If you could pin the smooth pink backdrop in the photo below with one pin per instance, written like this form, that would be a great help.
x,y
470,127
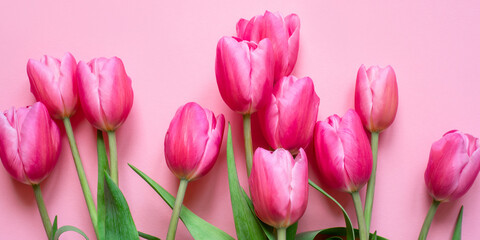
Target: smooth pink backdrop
x,y
169,50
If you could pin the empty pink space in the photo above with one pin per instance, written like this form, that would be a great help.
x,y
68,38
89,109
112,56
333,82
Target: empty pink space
x,y
168,48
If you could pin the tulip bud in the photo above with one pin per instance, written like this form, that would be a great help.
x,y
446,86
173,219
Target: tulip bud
x,y
279,186
289,118
53,82
193,141
453,165
29,143
105,92
376,97
284,34
244,73
343,152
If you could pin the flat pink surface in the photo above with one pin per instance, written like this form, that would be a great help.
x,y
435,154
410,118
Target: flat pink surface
x,y
169,50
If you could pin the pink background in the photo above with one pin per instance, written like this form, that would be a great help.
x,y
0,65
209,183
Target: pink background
x,y
169,49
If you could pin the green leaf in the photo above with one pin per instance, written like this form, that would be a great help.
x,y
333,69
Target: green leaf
x,y
118,219
246,223
348,223
329,232
292,231
67,228
373,236
102,167
457,233
147,236
268,230
198,228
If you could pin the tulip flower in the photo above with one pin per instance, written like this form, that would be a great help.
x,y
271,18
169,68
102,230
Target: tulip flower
x,y
279,187
105,92
289,118
376,101
453,165
344,158
106,96
284,34
376,97
192,144
244,73
53,82
29,149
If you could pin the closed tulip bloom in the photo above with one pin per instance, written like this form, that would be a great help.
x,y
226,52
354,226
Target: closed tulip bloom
x,y
289,118
376,97
283,32
279,186
343,153
453,165
53,82
29,143
105,92
193,141
244,72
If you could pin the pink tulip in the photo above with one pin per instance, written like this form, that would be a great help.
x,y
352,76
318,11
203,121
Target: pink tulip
x,y
29,143
284,34
53,82
105,92
244,73
344,157
453,165
193,141
279,186
376,97
289,118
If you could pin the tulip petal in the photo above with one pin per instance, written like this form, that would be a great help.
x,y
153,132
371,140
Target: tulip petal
x,y
384,96
299,187
68,84
9,149
363,97
88,91
261,75
292,23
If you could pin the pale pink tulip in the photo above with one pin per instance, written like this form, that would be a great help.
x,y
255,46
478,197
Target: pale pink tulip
x,y
289,118
453,165
29,143
376,97
284,34
53,82
193,141
244,73
343,152
105,92
279,186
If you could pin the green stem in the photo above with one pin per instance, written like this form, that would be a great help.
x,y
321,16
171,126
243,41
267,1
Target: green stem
x,y
81,173
112,146
281,233
360,218
47,224
247,135
428,220
172,228
371,182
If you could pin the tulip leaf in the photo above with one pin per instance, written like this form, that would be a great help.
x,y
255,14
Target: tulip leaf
x,y
67,228
198,228
331,233
348,224
102,167
268,230
118,219
54,228
457,233
246,222
147,236
292,231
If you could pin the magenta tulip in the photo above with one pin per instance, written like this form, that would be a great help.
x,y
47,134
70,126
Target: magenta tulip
x,y
289,118
453,165
29,143
279,186
53,82
343,153
284,34
193,141
376,97
244,73
105,92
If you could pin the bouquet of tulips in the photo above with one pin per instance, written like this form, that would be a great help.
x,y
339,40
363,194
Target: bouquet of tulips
x,y
253,76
